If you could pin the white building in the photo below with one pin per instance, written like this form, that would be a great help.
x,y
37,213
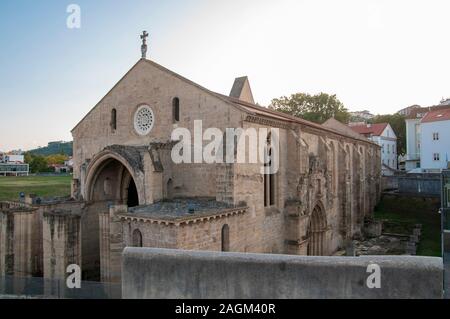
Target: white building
x,y
435,140
407,110
13,165
412,160
361,116
16,159
383,135
422,151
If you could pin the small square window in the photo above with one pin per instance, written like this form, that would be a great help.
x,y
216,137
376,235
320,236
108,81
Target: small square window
x,y
436,157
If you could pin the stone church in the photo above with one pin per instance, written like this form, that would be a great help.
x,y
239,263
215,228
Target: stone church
x,y
128,191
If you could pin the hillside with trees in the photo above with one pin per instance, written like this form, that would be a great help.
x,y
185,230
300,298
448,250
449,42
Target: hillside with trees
x,y
53,148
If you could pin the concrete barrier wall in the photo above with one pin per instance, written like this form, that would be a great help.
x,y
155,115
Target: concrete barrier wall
x,y
162,273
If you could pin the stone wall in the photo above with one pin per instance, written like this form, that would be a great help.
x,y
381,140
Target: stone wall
x,y
159,273
62,242
20,241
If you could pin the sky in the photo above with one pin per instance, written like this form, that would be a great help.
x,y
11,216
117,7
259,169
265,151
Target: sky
x,y
375,55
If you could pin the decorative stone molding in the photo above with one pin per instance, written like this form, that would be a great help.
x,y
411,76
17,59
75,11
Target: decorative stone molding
x,y
184,220
267,122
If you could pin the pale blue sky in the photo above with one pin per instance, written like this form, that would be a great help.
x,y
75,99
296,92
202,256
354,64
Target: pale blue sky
x,y
376,55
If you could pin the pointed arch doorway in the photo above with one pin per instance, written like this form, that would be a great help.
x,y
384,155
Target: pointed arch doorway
x,y
317,232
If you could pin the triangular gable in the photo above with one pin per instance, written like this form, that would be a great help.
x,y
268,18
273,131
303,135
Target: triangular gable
x,y
161,68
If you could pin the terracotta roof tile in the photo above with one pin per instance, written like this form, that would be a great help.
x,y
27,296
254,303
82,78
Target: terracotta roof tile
x,y
370,129
438,115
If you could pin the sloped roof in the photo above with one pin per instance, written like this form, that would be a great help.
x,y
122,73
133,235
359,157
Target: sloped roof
x,y
241,90
341,127
239,104
370,129
437,115
420,112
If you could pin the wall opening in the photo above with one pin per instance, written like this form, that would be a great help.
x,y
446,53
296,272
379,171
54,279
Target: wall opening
x,y
132,198
225,238
109,183
176,109
169,194
113,120
137,238
269,177
317,232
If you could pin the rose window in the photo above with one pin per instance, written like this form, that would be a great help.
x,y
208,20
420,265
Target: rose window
x,y
143,120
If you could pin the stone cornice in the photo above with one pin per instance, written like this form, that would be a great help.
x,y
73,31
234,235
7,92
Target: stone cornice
x,y
265,121
184,220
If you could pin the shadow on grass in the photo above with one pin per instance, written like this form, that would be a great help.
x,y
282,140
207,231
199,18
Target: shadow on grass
x,y
403,212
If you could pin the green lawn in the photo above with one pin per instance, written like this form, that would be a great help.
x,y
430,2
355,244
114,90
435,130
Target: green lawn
x,y
44,186
402,213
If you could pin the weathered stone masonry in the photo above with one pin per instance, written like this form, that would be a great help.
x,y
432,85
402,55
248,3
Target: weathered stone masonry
x,y
127,191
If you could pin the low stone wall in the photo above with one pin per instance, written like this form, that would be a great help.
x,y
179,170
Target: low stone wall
x,y
163,273
419,184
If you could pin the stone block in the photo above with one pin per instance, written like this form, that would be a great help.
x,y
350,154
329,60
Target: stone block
x,y
161,273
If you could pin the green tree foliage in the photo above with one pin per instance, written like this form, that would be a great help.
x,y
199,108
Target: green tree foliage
x,y
38,163
65,148
56,159
315,108
398,124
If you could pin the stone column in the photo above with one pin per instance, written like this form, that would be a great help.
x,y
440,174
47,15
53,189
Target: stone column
x,y
62,247
104,223
113,272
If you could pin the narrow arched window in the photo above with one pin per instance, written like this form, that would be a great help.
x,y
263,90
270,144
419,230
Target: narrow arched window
x,y
114,119
176,109
225,238
169,189
137,238
269,176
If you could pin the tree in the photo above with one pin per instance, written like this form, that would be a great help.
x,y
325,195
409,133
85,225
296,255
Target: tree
x,y
56,159
398,124
38,164
316,108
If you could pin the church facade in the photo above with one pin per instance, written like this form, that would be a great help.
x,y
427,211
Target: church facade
x,y
128,191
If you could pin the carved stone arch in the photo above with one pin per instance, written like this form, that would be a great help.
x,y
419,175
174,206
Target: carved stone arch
x,y
124,174
317,229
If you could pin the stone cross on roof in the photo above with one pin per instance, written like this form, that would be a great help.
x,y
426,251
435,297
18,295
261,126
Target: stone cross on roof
x,y
144,37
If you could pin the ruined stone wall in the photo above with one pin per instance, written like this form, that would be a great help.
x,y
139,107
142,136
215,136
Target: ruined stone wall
x,y
90,239
207,234
203,234
20,249
153,234
62,242
2,243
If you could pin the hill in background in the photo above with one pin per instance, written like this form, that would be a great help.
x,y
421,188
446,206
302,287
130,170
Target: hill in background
x,y
52,148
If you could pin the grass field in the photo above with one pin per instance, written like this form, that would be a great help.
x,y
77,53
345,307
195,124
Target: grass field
x,y
403,213
44,186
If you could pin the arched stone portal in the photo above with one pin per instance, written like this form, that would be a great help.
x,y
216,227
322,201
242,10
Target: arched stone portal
x,y
112,181
109,181
317,232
